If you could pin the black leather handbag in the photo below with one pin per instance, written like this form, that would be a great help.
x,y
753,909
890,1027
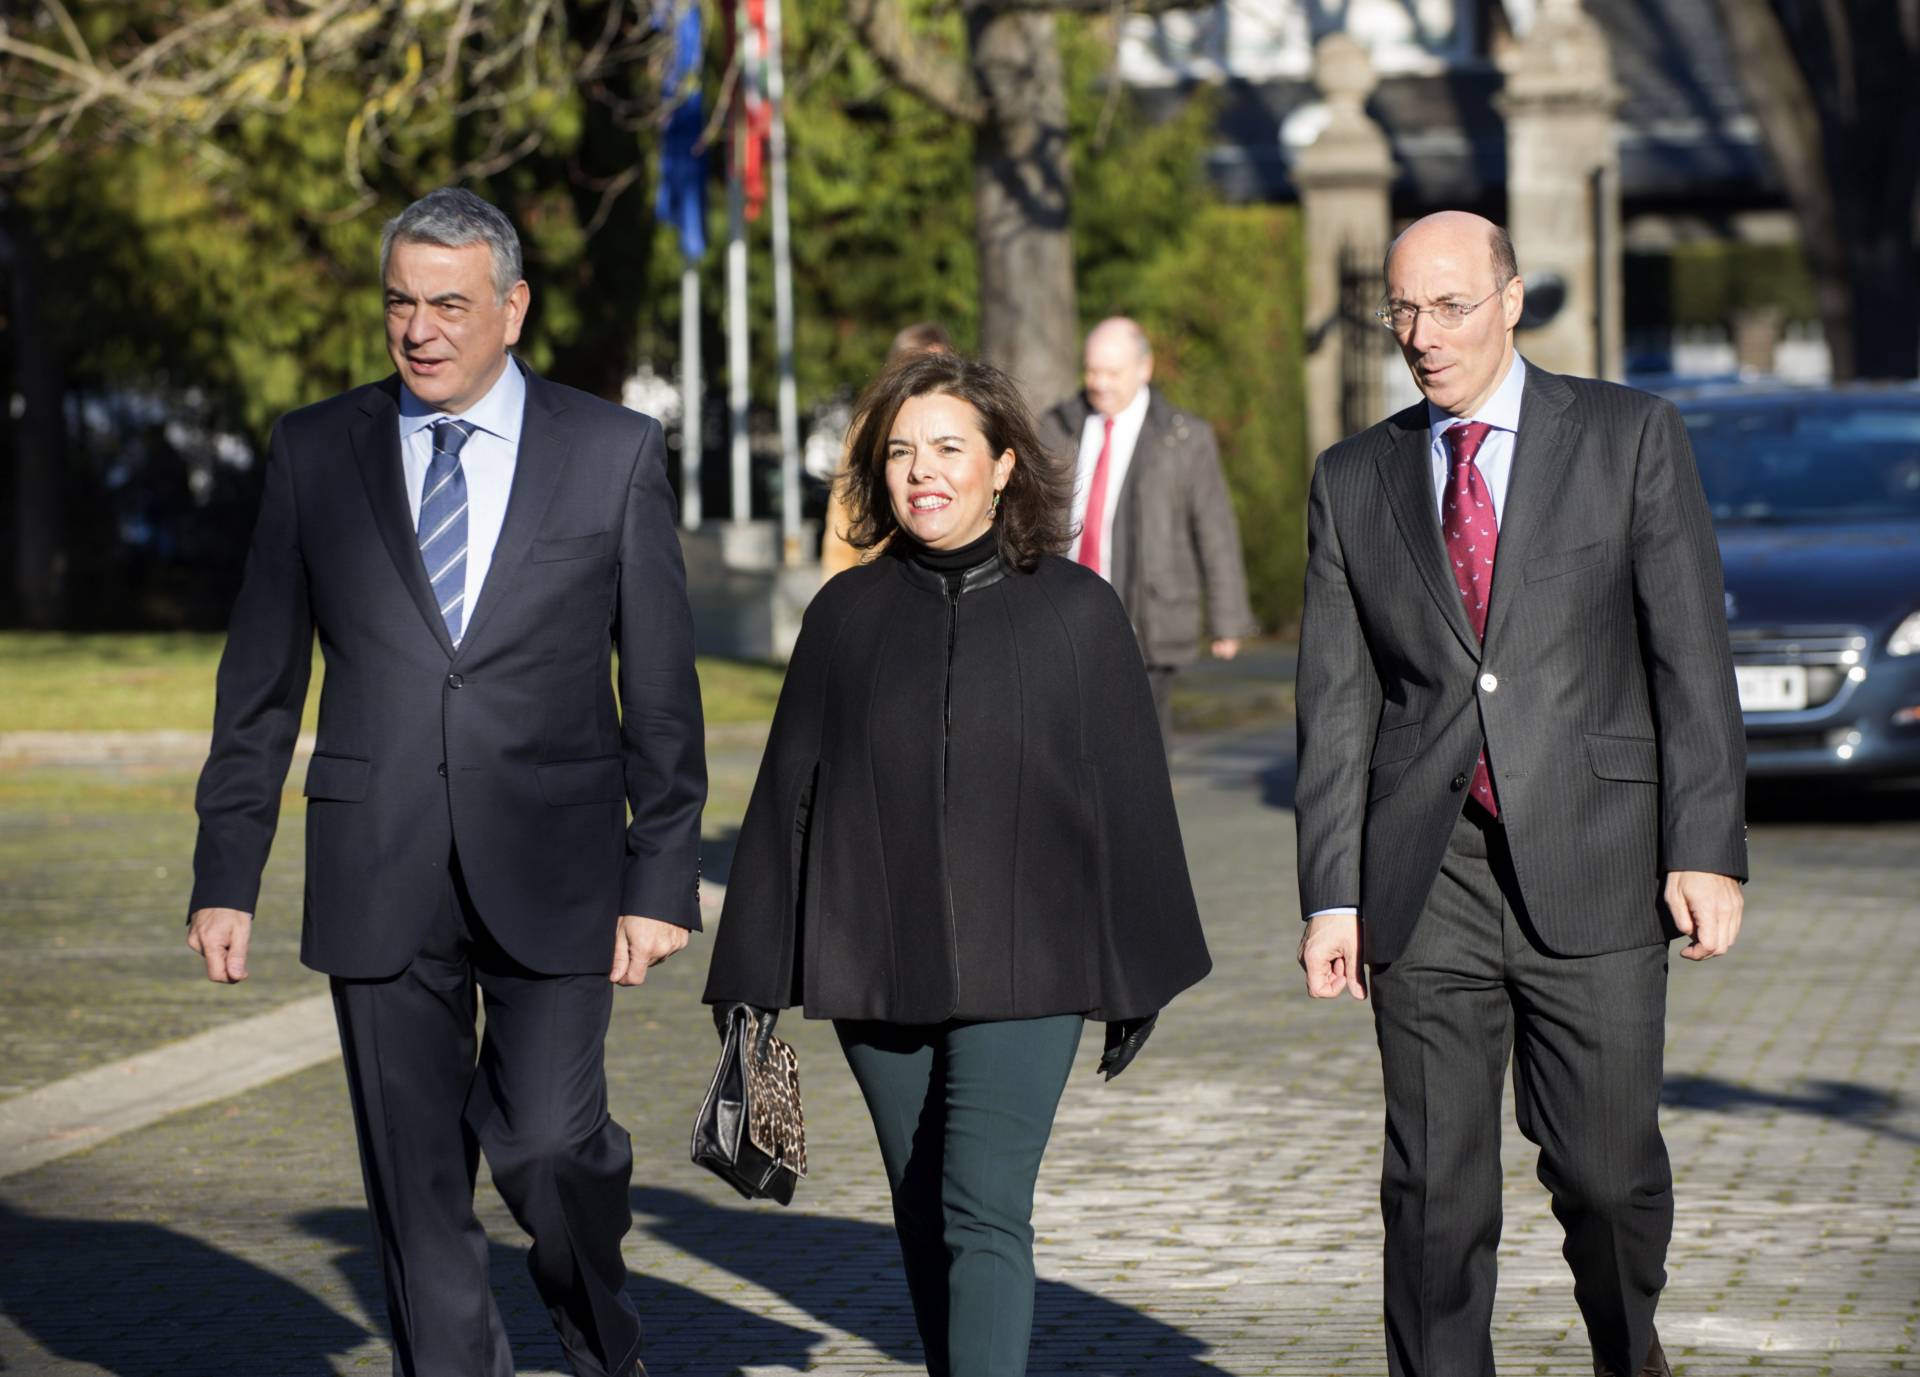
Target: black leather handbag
x,y
750,1131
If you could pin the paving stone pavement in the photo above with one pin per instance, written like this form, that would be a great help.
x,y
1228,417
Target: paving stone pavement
x,y
1212,1212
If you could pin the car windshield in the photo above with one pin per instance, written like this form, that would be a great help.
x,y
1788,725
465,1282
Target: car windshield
x,y
1803,464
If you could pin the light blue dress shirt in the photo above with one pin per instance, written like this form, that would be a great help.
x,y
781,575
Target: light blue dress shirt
x,y
1495,460
488,461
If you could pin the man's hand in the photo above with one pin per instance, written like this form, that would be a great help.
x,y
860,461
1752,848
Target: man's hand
x,y
1707,908
641,943
1226,647
221,936
1330,955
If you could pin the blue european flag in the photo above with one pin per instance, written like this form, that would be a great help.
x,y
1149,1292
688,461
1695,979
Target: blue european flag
x,y
682,200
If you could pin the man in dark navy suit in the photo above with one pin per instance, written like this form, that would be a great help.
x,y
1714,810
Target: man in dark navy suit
x,y
472,544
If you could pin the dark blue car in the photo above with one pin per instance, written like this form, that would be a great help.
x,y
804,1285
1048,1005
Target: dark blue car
x,y
1816,497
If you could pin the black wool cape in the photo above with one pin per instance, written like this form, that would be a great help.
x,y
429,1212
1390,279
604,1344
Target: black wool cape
x,y
963,811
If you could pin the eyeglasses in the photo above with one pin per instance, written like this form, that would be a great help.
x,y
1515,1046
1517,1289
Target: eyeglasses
x,y
1448,315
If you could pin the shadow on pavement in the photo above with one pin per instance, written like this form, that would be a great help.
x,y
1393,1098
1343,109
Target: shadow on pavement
x,y
1277,782
685,1332
846,1272
716,855
140,1300
1863,1106
1853,801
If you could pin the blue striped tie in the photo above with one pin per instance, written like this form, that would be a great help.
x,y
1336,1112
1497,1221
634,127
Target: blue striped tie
x,y
443,524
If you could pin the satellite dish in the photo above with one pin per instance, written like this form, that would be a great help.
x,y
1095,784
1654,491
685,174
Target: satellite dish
x,y
1546,294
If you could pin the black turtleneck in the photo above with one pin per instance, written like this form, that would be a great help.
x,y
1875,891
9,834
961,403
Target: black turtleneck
x,y
958,561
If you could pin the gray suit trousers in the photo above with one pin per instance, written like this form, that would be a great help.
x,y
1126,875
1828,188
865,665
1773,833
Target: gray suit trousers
x,y
1586,1036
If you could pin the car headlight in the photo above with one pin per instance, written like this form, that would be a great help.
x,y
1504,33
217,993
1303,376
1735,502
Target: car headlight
x,y
1905,639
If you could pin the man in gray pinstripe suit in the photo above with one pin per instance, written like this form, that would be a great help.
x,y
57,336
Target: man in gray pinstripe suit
x,y
1520,775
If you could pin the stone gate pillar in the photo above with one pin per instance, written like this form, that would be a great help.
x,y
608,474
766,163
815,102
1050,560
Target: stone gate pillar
x,y
1563,185
1343,176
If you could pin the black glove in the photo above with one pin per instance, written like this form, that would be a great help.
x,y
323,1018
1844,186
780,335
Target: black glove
x,y
1124,1041
762,1021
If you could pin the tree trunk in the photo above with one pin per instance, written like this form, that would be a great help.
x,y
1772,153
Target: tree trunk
x,y
1830,93
1871,127
1029,319
39,431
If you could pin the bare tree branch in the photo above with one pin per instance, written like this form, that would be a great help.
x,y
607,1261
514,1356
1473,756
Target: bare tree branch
x,y
420,66
940,79
1092,6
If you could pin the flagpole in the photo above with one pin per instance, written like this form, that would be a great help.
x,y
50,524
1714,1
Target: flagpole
x,y
742,476
691,384
783,296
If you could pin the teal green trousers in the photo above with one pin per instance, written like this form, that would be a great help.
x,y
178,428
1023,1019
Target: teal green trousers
x,y
963,1112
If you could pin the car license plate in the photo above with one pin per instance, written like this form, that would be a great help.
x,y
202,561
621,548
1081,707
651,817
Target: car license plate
x,y
1771,688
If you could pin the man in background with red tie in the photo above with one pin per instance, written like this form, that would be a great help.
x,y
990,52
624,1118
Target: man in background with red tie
x,y
1520,775
1151,508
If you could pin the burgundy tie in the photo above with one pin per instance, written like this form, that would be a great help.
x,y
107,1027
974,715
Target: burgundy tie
x,y
1472,531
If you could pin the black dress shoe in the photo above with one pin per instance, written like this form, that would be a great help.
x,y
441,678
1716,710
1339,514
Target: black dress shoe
x,y
1656,1364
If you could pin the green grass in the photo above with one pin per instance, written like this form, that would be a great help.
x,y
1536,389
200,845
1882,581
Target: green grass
x,y
152,682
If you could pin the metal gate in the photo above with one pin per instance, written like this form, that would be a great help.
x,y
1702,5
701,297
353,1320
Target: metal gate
x,y
1363,344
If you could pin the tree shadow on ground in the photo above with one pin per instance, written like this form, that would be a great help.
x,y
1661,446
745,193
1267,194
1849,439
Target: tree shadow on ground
x,y
685,1332
846,1273
142,1300
1863,1106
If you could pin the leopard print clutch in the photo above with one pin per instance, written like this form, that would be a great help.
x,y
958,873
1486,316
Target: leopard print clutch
x,y
775,1123
750,1131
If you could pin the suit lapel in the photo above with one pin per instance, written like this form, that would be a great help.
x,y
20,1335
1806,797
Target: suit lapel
x,y
376,449
1406,472
1539,454
546,438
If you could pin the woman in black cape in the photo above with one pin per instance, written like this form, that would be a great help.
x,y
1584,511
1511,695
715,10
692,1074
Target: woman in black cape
x,y
962,842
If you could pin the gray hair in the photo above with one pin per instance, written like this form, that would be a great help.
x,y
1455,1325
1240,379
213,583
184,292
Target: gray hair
x,y
1506,266
454,217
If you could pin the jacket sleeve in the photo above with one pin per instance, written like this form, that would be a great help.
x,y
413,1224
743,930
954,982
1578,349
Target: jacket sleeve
x,y
754,953
1680,602
1153,946
1216,539
1337,705
662,732
260,692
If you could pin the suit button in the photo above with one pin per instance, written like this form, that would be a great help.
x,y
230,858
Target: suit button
x,y
455,681
443,769
1458,783
1488,683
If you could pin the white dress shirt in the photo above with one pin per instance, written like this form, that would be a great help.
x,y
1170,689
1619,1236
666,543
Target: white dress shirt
x,y
1495,461
1126,434
487,460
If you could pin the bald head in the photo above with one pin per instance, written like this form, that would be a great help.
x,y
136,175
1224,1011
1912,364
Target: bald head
x,y
1462,263
1458,229
1119,362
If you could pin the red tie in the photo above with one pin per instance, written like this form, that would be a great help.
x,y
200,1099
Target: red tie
x,y
1472,532
1090,553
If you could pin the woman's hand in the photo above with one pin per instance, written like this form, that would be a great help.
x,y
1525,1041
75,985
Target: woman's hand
x,y
1125,1038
